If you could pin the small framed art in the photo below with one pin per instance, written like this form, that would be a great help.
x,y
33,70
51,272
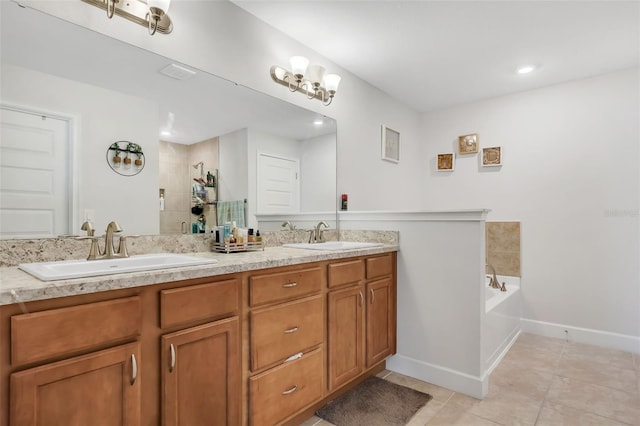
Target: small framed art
x,y
492,156
390,144
446,162
468,144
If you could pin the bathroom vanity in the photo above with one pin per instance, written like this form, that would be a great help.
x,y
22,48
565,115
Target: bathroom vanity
x,y
273,335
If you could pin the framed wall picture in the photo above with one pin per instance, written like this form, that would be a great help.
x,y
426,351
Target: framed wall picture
x,y
446,162
492,156
390,144
468,144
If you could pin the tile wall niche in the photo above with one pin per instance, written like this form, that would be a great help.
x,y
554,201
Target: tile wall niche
x,y
503,247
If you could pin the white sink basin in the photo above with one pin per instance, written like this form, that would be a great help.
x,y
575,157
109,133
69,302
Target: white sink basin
x,y
66,269
333,245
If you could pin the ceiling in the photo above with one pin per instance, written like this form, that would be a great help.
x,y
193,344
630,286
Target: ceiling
x,y
435,54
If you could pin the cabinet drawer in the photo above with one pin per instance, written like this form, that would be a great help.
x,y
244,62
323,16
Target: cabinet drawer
x,y
199,302
278,393
379,266
346,273
284,286
46,334
283,330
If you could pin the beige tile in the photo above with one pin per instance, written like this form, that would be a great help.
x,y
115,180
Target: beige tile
x,y
383,374
313,421
512,377
539,343
560,415
597,372
597,354
463,400
454,415
438,393
542,360
426,413
506,407
503,236
590,398
636,361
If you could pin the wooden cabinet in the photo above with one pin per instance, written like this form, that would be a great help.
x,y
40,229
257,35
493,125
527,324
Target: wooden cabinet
x,y
259,347
346,319
201,375
361,318
98,388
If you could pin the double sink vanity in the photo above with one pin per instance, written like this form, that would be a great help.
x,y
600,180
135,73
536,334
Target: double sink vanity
x,y
259,338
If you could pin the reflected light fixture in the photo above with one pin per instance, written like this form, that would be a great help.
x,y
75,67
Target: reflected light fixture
x,y
308,79
150,13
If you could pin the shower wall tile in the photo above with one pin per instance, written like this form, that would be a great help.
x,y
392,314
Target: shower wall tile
x,y
503,247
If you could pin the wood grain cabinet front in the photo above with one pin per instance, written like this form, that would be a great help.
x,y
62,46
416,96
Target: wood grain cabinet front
x,y
283,390
283,286
283,330
99,388
201,375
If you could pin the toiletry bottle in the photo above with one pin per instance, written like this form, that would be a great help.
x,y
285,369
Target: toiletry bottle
x,y
250,237
258,236
161,202
345,200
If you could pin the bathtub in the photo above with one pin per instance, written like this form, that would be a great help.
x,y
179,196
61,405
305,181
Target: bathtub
x,y
501,322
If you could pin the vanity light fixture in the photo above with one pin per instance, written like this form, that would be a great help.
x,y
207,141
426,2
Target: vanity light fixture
x,y
308,79
526,69
150,13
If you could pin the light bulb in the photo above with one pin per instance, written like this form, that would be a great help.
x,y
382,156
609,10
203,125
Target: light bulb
x,y
331,82
299,65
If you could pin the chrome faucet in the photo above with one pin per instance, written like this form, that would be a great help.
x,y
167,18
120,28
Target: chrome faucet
x,y
288,224
316,235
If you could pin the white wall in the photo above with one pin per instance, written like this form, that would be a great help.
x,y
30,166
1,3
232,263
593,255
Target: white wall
x,y
570,152
570,175
109,195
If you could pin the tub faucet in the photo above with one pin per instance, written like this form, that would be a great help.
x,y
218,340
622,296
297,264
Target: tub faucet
x,y
493,282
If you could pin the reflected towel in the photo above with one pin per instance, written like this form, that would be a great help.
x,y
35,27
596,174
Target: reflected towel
x,y
229,211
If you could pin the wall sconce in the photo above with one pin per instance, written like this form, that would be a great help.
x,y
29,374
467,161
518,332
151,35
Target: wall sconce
x,y
308,79
151,14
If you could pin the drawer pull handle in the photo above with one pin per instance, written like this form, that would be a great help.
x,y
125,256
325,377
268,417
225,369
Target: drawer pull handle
x,y
291,330
361,298
289,391
373,296
293,357
134,369
173,358
289,285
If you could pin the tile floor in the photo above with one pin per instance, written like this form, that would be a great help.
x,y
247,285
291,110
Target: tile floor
x,y
543,382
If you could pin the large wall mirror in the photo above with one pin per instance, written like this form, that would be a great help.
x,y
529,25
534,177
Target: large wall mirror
x,y
213,150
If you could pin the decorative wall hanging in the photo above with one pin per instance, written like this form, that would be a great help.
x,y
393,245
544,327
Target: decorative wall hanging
x,y
492,156
468,144
446,162
125,158
390,145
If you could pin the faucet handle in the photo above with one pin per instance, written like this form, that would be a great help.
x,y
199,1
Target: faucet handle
x,y
94,250
88,226
122,245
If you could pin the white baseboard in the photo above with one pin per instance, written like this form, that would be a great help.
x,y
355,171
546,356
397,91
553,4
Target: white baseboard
x,y
454,380
589,336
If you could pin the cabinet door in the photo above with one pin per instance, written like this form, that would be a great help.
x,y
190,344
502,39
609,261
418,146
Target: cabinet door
x,y
201,375
346,324
380,323
77,392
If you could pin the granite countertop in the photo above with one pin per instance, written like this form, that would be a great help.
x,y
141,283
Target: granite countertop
x,y
18,286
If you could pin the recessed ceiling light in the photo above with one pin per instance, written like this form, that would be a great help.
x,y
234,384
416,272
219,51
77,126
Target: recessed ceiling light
x,y
165,133
526,69
318,122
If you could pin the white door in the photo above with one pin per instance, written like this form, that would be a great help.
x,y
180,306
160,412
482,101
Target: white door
x,y
278,185
34,175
